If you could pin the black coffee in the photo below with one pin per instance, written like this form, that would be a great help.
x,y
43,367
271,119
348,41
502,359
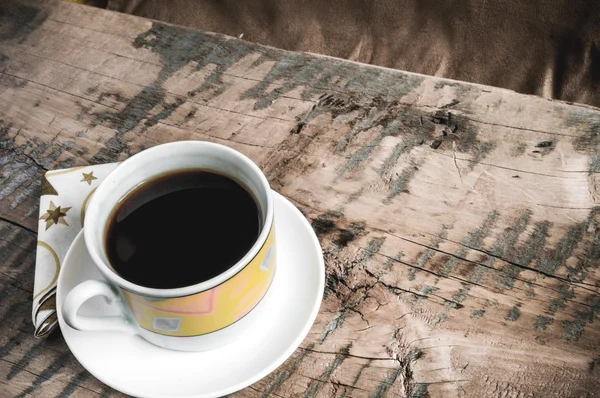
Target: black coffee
x,y
180,229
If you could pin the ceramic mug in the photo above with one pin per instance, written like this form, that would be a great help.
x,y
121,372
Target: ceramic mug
x,y
191,318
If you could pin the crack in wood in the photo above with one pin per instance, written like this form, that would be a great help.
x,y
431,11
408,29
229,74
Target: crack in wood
x,y
352,355
16,224
316,384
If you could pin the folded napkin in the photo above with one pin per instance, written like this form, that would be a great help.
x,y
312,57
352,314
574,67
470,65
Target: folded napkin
x,y
65,194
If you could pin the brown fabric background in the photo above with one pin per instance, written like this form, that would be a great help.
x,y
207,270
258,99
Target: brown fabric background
x,y
544,47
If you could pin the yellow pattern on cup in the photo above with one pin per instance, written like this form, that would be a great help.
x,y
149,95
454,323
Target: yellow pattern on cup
x,y
211,310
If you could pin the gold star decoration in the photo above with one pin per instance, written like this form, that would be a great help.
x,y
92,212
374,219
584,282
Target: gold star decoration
x,y
88,177
55,215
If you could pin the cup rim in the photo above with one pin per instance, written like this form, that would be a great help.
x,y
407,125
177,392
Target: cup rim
x,y
223,277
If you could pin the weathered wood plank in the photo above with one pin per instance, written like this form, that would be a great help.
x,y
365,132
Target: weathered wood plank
x,y
459,222
30,367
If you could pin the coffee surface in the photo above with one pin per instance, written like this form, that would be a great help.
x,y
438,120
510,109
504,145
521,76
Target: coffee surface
x,y
181,229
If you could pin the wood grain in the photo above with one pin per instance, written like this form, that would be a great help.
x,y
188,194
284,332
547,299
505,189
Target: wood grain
x,y
459,222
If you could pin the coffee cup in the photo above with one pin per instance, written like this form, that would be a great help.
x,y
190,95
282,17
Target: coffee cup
x,y
198,300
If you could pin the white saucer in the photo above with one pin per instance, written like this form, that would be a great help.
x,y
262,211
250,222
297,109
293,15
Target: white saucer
x,y
133,366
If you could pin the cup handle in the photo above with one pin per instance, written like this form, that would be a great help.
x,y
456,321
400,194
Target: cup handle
x,y
85,291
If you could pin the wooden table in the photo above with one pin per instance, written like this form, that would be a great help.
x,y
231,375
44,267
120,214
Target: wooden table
x,y
459,223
